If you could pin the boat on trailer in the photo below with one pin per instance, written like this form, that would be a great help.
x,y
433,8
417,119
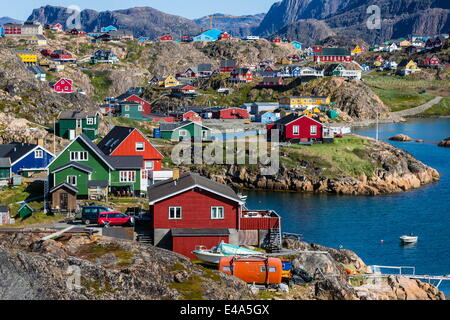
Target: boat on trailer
x,y
223,250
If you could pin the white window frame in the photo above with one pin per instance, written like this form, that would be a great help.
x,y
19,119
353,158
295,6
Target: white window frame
x,y
79,123
296,130
79,156
313,132
143,146
215,213
90,121
176,215
127,176
140,107
38,154
185,133
127,116
75,180
127,108
152,165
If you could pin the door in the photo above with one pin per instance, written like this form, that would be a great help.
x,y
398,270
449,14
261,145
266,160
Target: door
x,y
71,134
64,201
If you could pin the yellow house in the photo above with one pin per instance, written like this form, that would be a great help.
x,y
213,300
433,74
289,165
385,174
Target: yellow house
x,y
377,63
170,81
405,43
27,56
38,40
357,50
411,65
303,102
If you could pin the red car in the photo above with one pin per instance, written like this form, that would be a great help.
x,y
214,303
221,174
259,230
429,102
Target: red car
x,y
114,218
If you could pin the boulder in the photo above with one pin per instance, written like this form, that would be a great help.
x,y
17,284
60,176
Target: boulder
x,y
401,138
445,143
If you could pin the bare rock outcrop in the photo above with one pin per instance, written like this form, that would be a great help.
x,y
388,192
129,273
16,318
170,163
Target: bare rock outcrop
x,y
445,143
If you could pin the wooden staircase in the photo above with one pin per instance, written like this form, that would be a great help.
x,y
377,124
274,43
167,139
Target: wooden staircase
x,y
274,240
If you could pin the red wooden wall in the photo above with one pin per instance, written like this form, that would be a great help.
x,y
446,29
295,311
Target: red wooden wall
x,y
305,124
146,107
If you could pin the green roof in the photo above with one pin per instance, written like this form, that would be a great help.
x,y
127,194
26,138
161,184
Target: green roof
x,y
333,52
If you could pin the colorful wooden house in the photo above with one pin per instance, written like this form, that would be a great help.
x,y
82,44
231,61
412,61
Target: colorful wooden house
x,y
25,158
5,170
27,56
165,38
408,67
276,40
339,70
56,27
184,91
357,50
129,109
322,54
297,45
267,117
125,141
230,113
225,36
185,130
241,75
431,60
132,97
72,123
104,56
301,128
38,72
62,56
170,81
271,82
62,86
209,35
83,165
108,29
25,211
303,102
193,211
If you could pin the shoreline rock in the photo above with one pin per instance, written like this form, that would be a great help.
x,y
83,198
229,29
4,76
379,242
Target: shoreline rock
x,y
445,143
401,138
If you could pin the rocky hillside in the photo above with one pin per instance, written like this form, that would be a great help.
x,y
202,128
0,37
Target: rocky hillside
x,y
117,270
142,21
352,166
25,97
236,27
349,17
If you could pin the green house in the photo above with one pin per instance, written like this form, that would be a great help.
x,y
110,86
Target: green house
x,y
129,109
185,130
25,211
5,169
73,123
83,165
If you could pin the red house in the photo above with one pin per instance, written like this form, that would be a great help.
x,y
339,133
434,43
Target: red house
x,y
131,97
63,86
230,113
241,75
225,36
322,54
62,56
431,61
56,27
125,141
191,116
276,40
271,82
301,128
46,52
76,32
193,211
165,38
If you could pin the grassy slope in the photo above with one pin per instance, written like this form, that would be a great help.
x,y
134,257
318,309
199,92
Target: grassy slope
x,y
401,93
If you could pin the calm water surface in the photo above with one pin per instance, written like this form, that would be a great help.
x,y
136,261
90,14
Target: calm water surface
x,y
361,223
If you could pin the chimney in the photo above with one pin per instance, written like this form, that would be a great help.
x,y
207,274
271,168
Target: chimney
x,y
40,142
176,174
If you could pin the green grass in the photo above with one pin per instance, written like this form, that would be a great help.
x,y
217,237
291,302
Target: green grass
x,y
101,82
399,100
93,251
441,109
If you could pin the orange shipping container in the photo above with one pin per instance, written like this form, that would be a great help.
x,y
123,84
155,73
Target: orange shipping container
x,y
258,270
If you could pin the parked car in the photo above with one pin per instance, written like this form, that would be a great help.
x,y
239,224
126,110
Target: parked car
x,y
113,218
89,214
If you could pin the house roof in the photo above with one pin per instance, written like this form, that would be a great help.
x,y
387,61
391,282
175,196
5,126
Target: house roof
x,y
114,138
64,185
5,162
4,209
174,126
36,69
67,115
96,149
187,181
287,119
204,67
199,232
126,162
75,165
333,52
15,150
228,63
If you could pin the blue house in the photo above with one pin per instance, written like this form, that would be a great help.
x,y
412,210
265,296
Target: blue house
x,y
297,45
143,39
267,117
108,29
208,36
26,158
2,31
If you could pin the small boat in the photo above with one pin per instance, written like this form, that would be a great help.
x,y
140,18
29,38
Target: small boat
x,y
409,239
242,197
222,250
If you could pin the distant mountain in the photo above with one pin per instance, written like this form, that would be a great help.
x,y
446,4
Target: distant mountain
x,y
400,18
237,27
142,21
5,20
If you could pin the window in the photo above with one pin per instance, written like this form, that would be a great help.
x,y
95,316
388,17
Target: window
x,y
140,146
79,123
149,165
72,180
183,133
217,213
296,129
78,156
38,154
127,108
204,134
90,121
127,116
175,213
140,107
313,130
127,176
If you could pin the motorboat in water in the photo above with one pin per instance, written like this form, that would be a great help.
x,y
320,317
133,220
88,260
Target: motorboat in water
x,y
222,250
409,239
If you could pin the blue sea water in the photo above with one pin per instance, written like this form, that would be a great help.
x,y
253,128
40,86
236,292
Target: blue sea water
x,y
372,225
